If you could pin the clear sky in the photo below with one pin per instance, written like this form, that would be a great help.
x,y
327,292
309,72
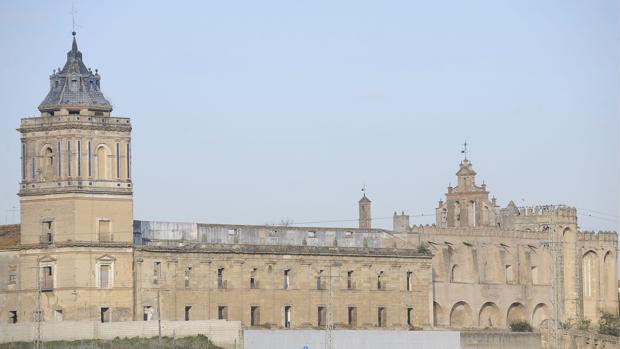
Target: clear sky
x,y
253,112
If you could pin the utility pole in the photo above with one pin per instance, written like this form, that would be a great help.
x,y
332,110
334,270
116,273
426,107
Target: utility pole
x,y
329,340
159,317
38,309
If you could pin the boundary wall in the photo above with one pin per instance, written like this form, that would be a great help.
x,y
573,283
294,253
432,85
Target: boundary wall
x,y
223,333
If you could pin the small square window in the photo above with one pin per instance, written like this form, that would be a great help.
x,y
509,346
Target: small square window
x,y
312,234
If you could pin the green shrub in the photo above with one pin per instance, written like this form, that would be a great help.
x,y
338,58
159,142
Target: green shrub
x,y
583,325
423,248
609,324
520,326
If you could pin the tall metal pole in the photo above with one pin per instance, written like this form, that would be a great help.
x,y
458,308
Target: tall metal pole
x,y
329,341
38,311
159,316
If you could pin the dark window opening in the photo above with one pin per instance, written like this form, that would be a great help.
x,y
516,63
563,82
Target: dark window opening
x,y
352,316
254,316
287,316
321,316
410,316
13,316
105,314
220,278
187,310
381,317
222,312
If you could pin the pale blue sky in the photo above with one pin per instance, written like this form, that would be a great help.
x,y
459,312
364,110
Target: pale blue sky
x,y
257,111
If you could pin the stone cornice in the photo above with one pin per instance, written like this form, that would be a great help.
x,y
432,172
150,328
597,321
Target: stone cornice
x,y
289,250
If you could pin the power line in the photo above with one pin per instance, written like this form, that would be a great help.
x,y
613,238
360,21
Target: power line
x,y
357,219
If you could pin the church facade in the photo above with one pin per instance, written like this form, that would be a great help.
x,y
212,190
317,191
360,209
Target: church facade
x,y
81,256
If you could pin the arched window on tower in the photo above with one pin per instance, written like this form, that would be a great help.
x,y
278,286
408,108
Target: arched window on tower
x,y
102,162
48,162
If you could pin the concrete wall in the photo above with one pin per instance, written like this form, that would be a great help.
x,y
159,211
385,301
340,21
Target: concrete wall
x,y
226,334
499,340
345,339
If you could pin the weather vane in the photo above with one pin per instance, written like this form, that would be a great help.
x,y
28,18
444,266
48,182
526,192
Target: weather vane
x,y
465,151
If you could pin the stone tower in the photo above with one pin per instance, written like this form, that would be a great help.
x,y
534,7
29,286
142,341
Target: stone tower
x,y
76,171
76,202
364,215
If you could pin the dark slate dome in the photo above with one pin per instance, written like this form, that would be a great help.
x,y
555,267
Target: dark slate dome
x,y
75,87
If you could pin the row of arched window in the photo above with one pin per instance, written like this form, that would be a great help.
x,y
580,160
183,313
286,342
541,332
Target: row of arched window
x,y
77,159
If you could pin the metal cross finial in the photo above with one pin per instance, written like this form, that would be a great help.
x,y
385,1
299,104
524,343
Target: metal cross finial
x,y
364,189
464,151
73,12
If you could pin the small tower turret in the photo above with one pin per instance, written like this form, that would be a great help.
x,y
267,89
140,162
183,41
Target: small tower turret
x,y
364,216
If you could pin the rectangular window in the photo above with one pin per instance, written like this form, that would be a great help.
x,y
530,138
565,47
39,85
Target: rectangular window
x,y
104,230
69,158
220,278
156,272
79,158
187,311
147,313
32,168
12,274
106,314
253,282
409,281
352,315
222,312
118,160
58,315
128,159
509,274
254,316
47,280
90,164
380,283
23,161
321,316
381,317
287,316
13,316
535,280
410,316
350,285
186,277
47,235
286,279
319,279
104,276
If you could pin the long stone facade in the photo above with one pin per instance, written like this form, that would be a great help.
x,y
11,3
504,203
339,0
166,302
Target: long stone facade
x,y
79,255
